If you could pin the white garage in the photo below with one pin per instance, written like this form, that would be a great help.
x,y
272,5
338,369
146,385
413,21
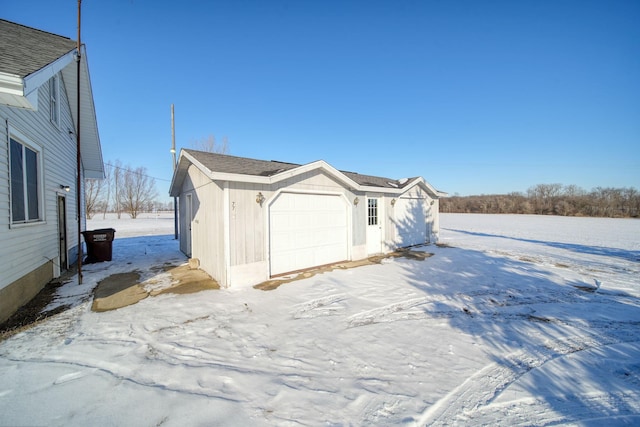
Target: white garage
x,y
246,220
307,230
410,221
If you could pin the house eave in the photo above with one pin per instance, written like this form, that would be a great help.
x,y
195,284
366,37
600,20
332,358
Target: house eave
x,y
22,92
90,147
12,92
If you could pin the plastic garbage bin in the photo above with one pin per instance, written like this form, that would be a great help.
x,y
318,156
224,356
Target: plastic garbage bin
x,y
99,244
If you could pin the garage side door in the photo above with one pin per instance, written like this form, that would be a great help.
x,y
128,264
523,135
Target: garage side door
x,y
411,222
307,230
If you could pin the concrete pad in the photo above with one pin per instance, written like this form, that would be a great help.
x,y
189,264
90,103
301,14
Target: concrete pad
x,y
118,290
123,289
188,281
274,283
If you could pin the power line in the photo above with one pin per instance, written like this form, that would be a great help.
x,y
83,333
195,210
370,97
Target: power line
x,y
136,172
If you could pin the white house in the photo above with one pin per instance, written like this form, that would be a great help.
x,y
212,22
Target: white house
x,y
247,220
38,162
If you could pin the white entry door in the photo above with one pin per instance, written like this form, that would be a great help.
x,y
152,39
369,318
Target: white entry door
x,y
374,225
307,230
188,223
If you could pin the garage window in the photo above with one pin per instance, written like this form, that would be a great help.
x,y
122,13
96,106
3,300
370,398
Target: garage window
x,y
372,212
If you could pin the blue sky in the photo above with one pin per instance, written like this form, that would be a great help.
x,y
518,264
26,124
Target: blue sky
x,y
478,97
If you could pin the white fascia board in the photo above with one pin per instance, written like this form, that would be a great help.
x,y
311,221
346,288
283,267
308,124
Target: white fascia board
x,y
319,164
34,80
425,185
184,161
92,151
267,180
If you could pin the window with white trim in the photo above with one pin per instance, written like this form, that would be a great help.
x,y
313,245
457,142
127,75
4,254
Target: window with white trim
x,y
25,182
54,100
372,211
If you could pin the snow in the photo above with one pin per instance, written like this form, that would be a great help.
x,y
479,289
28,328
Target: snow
x,y
504,327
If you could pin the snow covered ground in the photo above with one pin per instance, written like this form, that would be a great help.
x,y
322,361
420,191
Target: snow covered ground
x,y
505,327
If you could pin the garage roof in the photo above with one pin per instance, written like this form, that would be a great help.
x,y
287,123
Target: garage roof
x,y
232,168
246,166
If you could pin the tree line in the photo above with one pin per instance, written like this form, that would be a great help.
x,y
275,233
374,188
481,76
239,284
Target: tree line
x,y
552,199
125,189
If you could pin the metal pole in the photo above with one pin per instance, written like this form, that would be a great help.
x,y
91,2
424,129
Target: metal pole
x,y
173,152
78,157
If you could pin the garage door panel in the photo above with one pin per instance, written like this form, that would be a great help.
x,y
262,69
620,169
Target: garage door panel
x,y
411,223
307,230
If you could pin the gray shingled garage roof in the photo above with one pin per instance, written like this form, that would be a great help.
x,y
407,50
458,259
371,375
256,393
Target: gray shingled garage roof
x,y
245,166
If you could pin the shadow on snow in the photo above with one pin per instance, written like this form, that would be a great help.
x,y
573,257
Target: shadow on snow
x,y
530,316
583,249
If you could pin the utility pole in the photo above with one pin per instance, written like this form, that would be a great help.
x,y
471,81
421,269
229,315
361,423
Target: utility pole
x,y
78,154
173,152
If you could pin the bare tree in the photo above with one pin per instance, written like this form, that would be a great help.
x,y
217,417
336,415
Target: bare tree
x,y
136,190
108,179
117,185
210,145
552,199
92,192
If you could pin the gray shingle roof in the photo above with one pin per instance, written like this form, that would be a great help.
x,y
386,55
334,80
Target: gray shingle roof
x,y
245,166
25,50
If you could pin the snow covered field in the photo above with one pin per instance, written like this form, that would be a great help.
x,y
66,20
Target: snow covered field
x,y
505,327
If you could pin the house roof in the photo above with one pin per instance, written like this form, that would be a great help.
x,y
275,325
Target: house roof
x,y
28,59
26,50
232,168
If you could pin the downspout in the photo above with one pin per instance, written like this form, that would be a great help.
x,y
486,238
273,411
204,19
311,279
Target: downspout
x,y
78,157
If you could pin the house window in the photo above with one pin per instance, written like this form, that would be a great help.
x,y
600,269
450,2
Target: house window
x,y
372,211
25,182
54,100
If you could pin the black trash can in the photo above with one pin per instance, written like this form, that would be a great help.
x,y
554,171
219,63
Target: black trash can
x,y
99,244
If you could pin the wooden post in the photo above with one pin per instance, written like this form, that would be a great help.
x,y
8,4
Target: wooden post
x,y
173,152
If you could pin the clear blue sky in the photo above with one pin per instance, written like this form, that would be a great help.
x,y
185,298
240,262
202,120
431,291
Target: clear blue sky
x,y
475,96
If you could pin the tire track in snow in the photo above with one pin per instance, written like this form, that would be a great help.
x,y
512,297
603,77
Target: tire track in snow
x,y
319,307
580,407
481,389
389,313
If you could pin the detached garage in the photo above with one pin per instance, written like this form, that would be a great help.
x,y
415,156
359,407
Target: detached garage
x,y
247,220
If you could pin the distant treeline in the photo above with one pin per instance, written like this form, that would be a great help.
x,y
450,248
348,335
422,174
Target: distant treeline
x,y
551,199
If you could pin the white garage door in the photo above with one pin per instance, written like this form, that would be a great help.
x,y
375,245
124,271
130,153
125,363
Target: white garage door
x,y
307,230
411,222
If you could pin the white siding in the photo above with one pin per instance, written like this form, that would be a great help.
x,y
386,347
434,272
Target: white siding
x,y
248,220
207,242
25,248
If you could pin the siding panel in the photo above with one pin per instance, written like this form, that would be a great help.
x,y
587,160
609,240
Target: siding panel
x,y
24,248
